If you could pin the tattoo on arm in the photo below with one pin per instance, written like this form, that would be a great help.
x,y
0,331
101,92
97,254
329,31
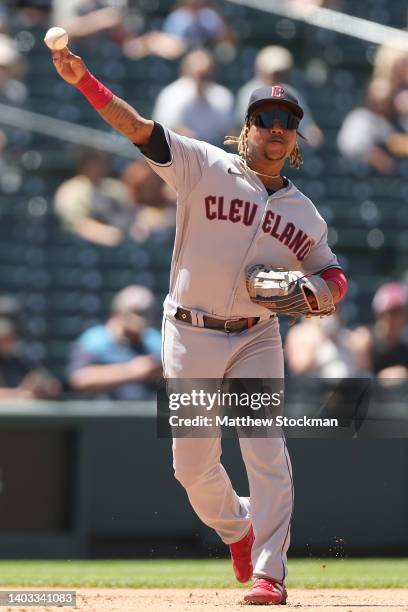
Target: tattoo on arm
x,y
122,117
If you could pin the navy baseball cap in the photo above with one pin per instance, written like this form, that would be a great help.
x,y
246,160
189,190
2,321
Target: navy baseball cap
x,y
275,93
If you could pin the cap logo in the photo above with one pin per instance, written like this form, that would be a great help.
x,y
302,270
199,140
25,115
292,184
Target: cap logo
x,y
277,92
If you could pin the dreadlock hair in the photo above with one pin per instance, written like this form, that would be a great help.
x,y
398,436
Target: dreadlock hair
x,y
295,158
241,142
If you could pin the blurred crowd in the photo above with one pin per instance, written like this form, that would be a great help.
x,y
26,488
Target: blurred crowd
x,y
106,204
376,133
118,359
104,210
326,348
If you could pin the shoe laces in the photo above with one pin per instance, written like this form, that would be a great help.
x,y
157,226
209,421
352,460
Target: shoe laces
x,y
269,585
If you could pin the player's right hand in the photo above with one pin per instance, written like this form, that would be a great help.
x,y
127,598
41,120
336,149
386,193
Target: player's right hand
x,y
69,66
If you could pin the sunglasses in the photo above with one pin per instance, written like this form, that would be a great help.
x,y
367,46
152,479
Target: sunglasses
x,y
266,119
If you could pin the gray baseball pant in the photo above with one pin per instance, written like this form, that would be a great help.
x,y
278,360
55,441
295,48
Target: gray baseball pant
x,y
191,352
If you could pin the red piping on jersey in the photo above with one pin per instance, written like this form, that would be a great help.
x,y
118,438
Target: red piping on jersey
x,y
336,276
94,91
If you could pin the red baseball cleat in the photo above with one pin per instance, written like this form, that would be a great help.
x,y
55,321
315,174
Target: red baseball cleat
x,y
241,557
266,591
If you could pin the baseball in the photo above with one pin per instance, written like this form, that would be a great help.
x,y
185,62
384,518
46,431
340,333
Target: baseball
x,y
56,38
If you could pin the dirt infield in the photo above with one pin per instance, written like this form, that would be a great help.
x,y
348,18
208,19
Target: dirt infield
x,y
203,600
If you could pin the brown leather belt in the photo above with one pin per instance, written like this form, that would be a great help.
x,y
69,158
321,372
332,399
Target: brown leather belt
x,y
226,325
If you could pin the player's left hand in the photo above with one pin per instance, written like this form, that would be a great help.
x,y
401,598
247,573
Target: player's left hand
x,y
289,292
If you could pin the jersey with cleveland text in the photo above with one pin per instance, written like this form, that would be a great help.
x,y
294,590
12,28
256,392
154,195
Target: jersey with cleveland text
x,y
226,223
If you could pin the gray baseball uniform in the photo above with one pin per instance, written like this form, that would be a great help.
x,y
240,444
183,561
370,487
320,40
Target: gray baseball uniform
x,y
226,222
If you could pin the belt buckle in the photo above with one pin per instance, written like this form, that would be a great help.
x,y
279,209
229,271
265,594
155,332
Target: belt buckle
x,y
227,322
226,326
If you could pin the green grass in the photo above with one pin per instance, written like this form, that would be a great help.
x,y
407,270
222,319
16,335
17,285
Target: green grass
x,y
313,573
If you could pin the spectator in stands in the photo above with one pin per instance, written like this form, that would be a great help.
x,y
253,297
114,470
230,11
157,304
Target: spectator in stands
x,y
325,350
192,24
86,18
20,379
390,64
119,360
153,200
197,23
194,102
93,205
383,349
32,13
13,92
398,79
371,133
274,65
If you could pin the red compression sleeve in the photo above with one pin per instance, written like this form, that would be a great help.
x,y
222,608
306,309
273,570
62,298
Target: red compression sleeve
x,y
94,91
337,276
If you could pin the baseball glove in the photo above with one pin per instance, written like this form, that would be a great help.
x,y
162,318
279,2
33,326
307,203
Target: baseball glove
x,y
289,292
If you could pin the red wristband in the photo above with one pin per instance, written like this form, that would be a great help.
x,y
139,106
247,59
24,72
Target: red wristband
x,y
337,276
94,91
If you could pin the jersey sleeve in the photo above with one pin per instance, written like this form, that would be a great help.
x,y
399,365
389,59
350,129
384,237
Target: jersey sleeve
x,y
320,257
188,159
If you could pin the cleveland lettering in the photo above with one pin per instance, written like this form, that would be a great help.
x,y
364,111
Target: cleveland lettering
x,y
238,211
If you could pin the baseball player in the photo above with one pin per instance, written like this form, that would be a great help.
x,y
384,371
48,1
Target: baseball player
x,y
235,211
